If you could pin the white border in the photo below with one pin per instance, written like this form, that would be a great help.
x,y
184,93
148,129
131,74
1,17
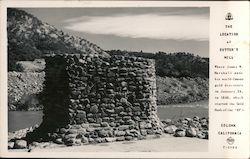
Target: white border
x,y
216,11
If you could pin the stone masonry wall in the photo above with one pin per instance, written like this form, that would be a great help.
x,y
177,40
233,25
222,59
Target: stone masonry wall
x,y
91,99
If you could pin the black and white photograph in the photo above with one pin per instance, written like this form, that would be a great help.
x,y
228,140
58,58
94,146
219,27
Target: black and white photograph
x,y
108,79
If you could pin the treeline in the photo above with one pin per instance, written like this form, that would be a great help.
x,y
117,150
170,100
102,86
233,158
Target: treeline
x,y
180,64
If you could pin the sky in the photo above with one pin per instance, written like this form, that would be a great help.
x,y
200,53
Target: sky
x,y
167,29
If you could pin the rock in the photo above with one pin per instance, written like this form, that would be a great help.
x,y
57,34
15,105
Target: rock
x,y
95,125
125,118
110,111
123,127
70,136
143,132
170,129
204,123
119,109
143,125
128,138
167,121
180,133
135,132
99,140
201,135
81,115
78,142
184,126
11,145
104,124
136,118
148,126
58,141
123,84
84,140
34,144
196,118
140,137
63,130
194,124
20,144
136,109
91,140
110,139
188,119
158,131
150,131
112,124
124,101
184,122
119,133
132,74
206,134
121,138
102,133
90,129
84,125
72,131
94,109
130,122
191,132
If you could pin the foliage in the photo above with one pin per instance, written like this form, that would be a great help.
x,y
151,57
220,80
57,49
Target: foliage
x,y
179,64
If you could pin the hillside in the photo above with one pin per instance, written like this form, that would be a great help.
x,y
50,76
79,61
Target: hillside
x,y
171,90
29,39
177,65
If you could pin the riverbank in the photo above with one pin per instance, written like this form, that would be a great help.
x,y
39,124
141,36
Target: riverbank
x,y
166,143
195,127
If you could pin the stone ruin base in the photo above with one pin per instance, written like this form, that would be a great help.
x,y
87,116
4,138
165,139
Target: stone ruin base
x,y
93,99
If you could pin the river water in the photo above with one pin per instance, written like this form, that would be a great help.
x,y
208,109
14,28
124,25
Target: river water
x,y
23,119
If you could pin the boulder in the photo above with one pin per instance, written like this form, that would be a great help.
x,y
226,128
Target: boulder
x,y
167,121
99,140
196,118
143,124
63,130
143,132
104,124
180,133
20,144
102,133
11,145
58,141
78,142
70,136
112,124
110,139
191,132
91,140
72,131
84,140
128,138
123,127
121,138
119,133
170,129
201,135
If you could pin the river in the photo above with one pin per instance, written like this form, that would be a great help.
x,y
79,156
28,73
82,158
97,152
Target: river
x,y
23,119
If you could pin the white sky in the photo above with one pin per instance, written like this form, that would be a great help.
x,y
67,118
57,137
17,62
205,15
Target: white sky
x,y
151,26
